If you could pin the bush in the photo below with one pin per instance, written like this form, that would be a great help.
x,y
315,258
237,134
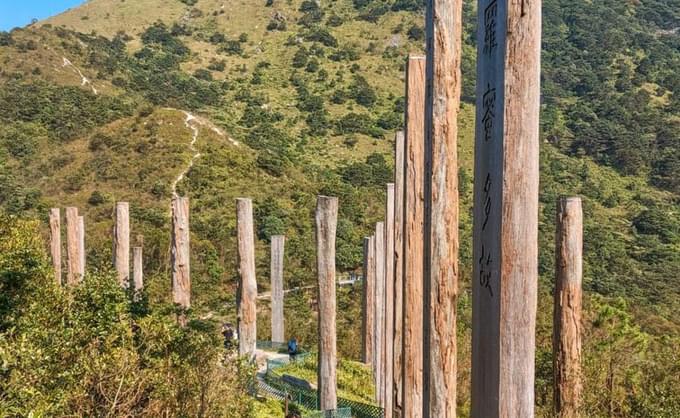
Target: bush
x,y
357,123
322,35
203,74
88,350
362,92
215,65
300,58
416,33
232,48
96,198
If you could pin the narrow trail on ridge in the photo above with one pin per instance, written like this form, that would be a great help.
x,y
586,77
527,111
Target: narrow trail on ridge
x,y
84,80
193,123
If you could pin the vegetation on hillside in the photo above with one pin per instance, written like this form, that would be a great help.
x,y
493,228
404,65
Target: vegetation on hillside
x,y
313,95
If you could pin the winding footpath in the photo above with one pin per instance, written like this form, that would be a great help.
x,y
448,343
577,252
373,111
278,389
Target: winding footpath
x,y
84,80
193,123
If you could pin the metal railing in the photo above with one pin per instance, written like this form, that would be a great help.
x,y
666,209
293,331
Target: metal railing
x,y
308,398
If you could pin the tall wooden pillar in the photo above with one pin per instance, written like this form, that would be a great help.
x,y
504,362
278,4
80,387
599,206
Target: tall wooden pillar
x,y
138,270
444,50
398,249
379,365
181,272
389,302
505,251
326,226
276,269
247,297
368,323
74,260
81,248
121,243
413,239
55,243
567,325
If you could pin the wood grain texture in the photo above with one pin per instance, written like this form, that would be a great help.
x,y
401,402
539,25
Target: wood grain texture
x,y
121,243
138,270
81,248
379,332
55,243
181,250
398,270
567,317
506,208
247,290
388,376
368,304
278,243
326,226
444,52
413,238
73,261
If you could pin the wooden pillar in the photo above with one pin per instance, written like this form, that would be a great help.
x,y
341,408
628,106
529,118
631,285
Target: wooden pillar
x,y
326,225
73,262
505,250
388,395
55,243
121,243
413,239
368,323
81,247
379,334
567,326
138,271
398,271
181,272
247,290
277,253
444,50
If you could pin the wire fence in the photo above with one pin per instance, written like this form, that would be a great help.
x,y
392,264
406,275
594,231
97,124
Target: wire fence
x,y
307,397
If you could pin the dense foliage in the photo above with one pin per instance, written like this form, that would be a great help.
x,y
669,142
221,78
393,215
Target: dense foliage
x,y
312,94
90,351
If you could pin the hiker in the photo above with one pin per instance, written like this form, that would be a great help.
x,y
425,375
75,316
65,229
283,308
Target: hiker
x,y
292,349
229,335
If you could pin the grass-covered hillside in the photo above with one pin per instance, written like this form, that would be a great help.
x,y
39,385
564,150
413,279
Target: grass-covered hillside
x,y
287,99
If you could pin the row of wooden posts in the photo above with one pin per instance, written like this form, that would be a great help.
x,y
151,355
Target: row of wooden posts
x,y
180,253
326,225
411,266
75,247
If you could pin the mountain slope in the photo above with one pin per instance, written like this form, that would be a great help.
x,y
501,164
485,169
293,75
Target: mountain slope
x,y
312,97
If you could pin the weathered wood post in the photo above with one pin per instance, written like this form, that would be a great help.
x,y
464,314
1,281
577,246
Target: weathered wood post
x,y
55,243
181,271
398,271
247,289
444,50
277,253
505,250
81,247
326,225
121,243
379,365
368,323
73,262
138,271
388,395
567,327
413,239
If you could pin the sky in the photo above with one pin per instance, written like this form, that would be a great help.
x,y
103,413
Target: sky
x,y
15,13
